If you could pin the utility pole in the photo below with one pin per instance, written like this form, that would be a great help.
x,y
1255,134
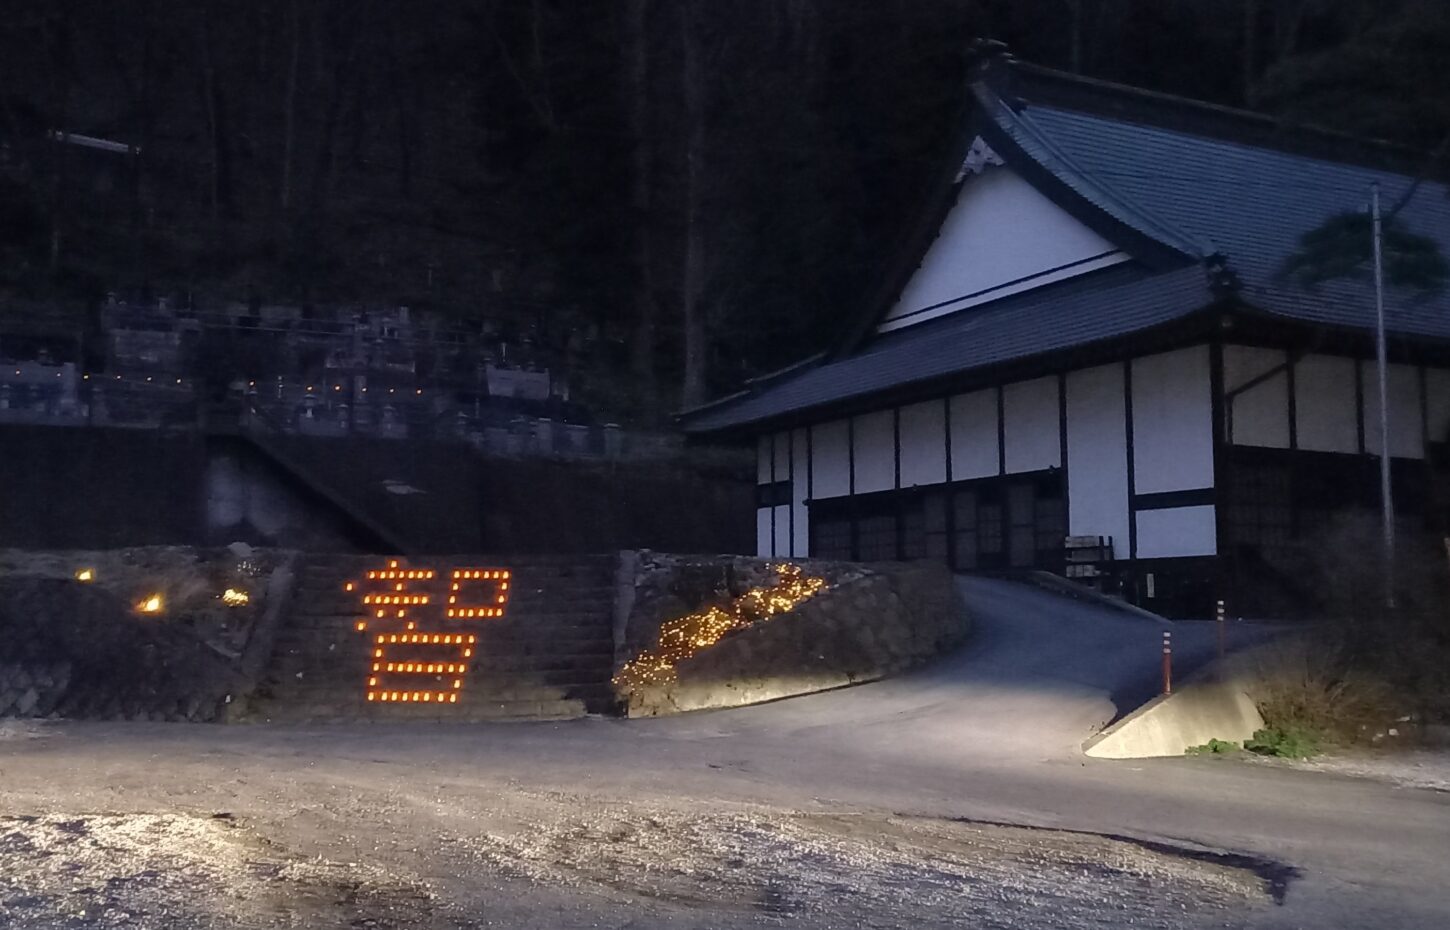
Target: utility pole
x,y
1387,504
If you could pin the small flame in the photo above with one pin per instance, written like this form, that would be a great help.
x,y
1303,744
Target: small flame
x,y
152,605
86,575
234,598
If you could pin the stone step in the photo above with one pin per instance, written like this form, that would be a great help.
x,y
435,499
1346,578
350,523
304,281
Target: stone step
x,y
444,713
355,679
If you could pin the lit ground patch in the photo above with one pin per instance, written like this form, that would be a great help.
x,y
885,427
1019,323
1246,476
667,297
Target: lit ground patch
x,y
877,871
169,872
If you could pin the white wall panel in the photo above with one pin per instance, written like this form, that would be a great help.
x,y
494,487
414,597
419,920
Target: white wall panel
x,y
1258,416
1179,531
1172,422
923,444
1324,404
762,460
1001,237
1097,456
875,451
800,546
1031,438
1403,394
762,531
782,530
782,456
830,459
1437,407
974,435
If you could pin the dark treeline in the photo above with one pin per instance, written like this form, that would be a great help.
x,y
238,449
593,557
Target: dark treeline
x,y
684,193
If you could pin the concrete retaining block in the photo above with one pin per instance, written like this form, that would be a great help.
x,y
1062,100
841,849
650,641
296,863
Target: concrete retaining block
x,y
1170,724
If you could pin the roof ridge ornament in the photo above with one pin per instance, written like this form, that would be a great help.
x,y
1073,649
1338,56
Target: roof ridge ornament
x,y
1223,281
979,157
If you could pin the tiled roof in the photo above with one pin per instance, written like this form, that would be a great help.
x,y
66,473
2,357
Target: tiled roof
x,y
1253,204
1110,303
1196,194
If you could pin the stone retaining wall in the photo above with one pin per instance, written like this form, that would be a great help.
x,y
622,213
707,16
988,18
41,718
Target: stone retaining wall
x,y
83,651
868,622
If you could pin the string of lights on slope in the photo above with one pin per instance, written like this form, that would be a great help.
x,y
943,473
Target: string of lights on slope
x,y
686,636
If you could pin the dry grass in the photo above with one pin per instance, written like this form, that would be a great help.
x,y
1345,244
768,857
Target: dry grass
x,y
1303,684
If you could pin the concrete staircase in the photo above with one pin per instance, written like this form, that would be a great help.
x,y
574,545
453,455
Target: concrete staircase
x,y
549,656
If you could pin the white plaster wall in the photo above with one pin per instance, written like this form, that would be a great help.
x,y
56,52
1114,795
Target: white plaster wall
x,y
782,530
1437,407
762,531
1179,531
1402,391
923,444
800,546
1172,422
1031,438
1260,415
830,459
1324,404
762,460
1097,456
782,456
974,435
1001,231
875,451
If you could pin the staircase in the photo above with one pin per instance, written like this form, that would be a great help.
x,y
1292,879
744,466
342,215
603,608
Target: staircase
x,y
549,655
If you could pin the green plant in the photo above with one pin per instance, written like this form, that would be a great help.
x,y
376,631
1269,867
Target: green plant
x,y
1214,747
1285,743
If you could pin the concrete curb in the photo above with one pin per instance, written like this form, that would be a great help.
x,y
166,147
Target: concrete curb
x,y
1067,588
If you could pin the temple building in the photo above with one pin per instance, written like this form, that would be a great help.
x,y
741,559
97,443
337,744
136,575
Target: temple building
x,y
1096,343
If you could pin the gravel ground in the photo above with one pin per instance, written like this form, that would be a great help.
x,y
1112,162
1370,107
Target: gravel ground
x,y
742,867
96,833
178,871
1427,768
869,869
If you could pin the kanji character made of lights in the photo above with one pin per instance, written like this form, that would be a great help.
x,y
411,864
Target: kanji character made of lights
x,y
411,659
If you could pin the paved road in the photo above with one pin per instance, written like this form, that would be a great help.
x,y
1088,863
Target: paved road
x,y
990,734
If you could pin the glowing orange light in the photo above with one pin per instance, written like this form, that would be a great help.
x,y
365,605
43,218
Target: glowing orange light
x,y
150,605
85,575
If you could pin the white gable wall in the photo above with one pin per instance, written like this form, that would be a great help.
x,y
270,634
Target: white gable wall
x,y
1002,237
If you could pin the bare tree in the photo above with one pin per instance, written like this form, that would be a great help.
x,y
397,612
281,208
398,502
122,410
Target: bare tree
x,y
693,310
636,92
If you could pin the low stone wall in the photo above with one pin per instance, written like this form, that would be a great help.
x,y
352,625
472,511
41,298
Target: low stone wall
x,y
83,650
867,622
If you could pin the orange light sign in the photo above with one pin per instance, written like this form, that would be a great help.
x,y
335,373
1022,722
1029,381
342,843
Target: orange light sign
x,y
428,664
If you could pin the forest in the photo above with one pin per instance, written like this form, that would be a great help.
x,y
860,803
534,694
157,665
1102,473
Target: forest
x,y
682,194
